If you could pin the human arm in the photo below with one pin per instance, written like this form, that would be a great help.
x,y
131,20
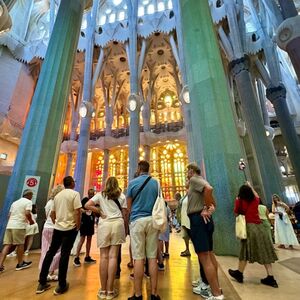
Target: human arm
x,y
77,214
29,217
210,204
91,205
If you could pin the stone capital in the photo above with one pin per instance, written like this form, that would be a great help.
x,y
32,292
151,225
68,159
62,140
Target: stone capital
x,y
238,65
288,31
276,93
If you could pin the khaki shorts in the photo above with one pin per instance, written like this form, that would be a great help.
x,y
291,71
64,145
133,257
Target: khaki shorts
x,y
143,238
110,232
14,237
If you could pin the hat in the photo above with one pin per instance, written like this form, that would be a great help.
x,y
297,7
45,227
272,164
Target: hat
x,y
27,192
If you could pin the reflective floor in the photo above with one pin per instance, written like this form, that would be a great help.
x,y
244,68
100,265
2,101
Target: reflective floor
x,y
174,282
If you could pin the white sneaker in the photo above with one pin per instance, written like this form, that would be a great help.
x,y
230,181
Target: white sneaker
x,y
26,252
221,297
12,254
202,288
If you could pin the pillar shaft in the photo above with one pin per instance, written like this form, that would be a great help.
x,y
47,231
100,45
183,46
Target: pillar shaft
x,y
42,134
211,113
277,95
264,152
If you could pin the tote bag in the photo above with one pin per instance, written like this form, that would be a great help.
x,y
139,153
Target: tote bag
x,y
240,227
159,212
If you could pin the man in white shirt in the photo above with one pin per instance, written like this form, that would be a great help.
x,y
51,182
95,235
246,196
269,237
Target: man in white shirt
x,y
19,217
65,215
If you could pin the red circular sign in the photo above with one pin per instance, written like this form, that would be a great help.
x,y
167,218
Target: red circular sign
x,y
31,182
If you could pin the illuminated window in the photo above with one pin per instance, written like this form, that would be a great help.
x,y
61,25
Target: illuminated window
x,y
141,11
150,9
102,20
122,15
170,4
161,6
112,18
117,2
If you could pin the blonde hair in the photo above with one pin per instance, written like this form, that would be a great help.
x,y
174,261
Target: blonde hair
x,y
56,190
112,190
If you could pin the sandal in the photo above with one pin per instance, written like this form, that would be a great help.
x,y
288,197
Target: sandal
x,y
112,294
101,294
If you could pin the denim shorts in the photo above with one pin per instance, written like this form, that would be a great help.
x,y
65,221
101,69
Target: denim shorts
x,y
201,233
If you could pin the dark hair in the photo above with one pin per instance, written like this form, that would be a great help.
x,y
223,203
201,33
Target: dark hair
x,y
246,193
68,181
194,167
144,166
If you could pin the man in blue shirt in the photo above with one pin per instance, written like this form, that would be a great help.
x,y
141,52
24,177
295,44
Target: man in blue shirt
x,y
143,236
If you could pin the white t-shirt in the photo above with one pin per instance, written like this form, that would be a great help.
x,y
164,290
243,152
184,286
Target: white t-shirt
x,y
185,221
109,207
17,219
65,204
48,208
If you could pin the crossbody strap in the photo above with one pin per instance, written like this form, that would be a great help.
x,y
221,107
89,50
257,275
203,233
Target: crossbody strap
x,y
118,203
141,188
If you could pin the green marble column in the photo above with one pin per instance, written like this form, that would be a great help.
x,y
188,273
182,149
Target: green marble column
x,y
41,139
211,112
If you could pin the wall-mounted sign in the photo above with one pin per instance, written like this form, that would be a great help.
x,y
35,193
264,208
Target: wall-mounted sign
x,y
32,182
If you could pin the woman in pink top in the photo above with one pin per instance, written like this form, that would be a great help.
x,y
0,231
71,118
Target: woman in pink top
x,y
257,247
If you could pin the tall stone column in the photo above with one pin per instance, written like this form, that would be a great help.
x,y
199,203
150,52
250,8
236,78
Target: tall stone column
x,y
134,126
264,151
42,134
211,112
147,150
105,166
277,95
84,135
288,33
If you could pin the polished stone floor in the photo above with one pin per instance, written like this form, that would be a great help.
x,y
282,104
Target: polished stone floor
x,y
174,282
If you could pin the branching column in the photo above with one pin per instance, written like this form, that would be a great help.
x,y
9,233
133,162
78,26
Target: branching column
x,y
42,134
277,95
211,113
264,152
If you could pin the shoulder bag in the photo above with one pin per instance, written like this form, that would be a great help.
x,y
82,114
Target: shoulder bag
x,y
240,227
159,212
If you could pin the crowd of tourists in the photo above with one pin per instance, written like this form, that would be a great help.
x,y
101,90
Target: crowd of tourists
x,y
119,215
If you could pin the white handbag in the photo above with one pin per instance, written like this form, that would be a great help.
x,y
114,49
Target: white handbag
x,y
159,212
240,227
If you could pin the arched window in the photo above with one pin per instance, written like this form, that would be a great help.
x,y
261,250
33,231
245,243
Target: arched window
x,y
161,6
117,2
141,11
112,18
150,9
102,20
121,15
170,4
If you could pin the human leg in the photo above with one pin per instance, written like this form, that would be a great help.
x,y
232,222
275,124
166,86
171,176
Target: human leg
x,y
3,254
153,275
88,246
138,270
269,280
67,241
112,266
103,267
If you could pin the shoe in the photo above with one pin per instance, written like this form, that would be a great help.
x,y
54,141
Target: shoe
x,y
112,294
270,281
131,276
23,265
161,266
185,253
12,254
236,274
202,286
52,277
134,297
153,297
89,260
196,282
130,265
42,288
60,290
26,253
101,294
76,262
220,297
204,293
1,269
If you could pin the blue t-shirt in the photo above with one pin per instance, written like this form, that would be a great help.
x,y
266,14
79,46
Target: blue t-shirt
x,y
143,204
